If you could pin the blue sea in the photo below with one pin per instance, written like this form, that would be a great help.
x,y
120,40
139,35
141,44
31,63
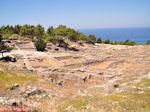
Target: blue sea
x,y
140,35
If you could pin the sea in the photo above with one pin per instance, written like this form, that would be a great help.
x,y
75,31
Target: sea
x,y
140,35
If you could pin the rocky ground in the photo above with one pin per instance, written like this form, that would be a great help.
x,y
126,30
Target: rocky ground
x,y
81,78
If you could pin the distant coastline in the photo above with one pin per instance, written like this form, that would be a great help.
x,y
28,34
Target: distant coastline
x,y
140,35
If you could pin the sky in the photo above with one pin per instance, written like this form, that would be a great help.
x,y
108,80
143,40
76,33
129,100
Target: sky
x,y
77,14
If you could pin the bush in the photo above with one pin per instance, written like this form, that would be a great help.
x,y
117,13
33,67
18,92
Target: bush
x,y
107,41
121,43
53,40
148,42
14,37
128,42
131,43
40,45
4,47
99,40
6,36
92,39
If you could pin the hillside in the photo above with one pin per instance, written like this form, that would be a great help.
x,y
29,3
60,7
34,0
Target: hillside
x,y
80,78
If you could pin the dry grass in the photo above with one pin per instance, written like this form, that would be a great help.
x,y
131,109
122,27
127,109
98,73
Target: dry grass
x,y
135,100
10,76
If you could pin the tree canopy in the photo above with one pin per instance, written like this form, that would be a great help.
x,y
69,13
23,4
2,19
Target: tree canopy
x,y
92,38
53,35
3,47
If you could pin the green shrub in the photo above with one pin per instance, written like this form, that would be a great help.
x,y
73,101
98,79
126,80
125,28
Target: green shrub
x,y
92,39
132,43
4,47
14,37
121,43
50,31
99,40
107,41
53,40
127,42
40,45
148,42
6,36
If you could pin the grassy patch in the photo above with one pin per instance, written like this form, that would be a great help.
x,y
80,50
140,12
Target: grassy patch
x,y
77,104
9,76
136,101
131,101
143,84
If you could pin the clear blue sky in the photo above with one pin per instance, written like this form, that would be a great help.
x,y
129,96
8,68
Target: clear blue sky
x,y
76,13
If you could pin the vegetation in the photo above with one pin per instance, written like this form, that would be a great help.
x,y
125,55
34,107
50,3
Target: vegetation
x,y
107,41
40,44
50,31
128,42
53,35
3,47
148,42
10,76
33,32
135,100
14,37
92,39
99,40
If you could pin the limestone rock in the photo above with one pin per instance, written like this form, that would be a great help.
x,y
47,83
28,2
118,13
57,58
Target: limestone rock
x,y
32,91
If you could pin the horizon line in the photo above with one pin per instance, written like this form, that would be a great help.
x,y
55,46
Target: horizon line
x,y
46,26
